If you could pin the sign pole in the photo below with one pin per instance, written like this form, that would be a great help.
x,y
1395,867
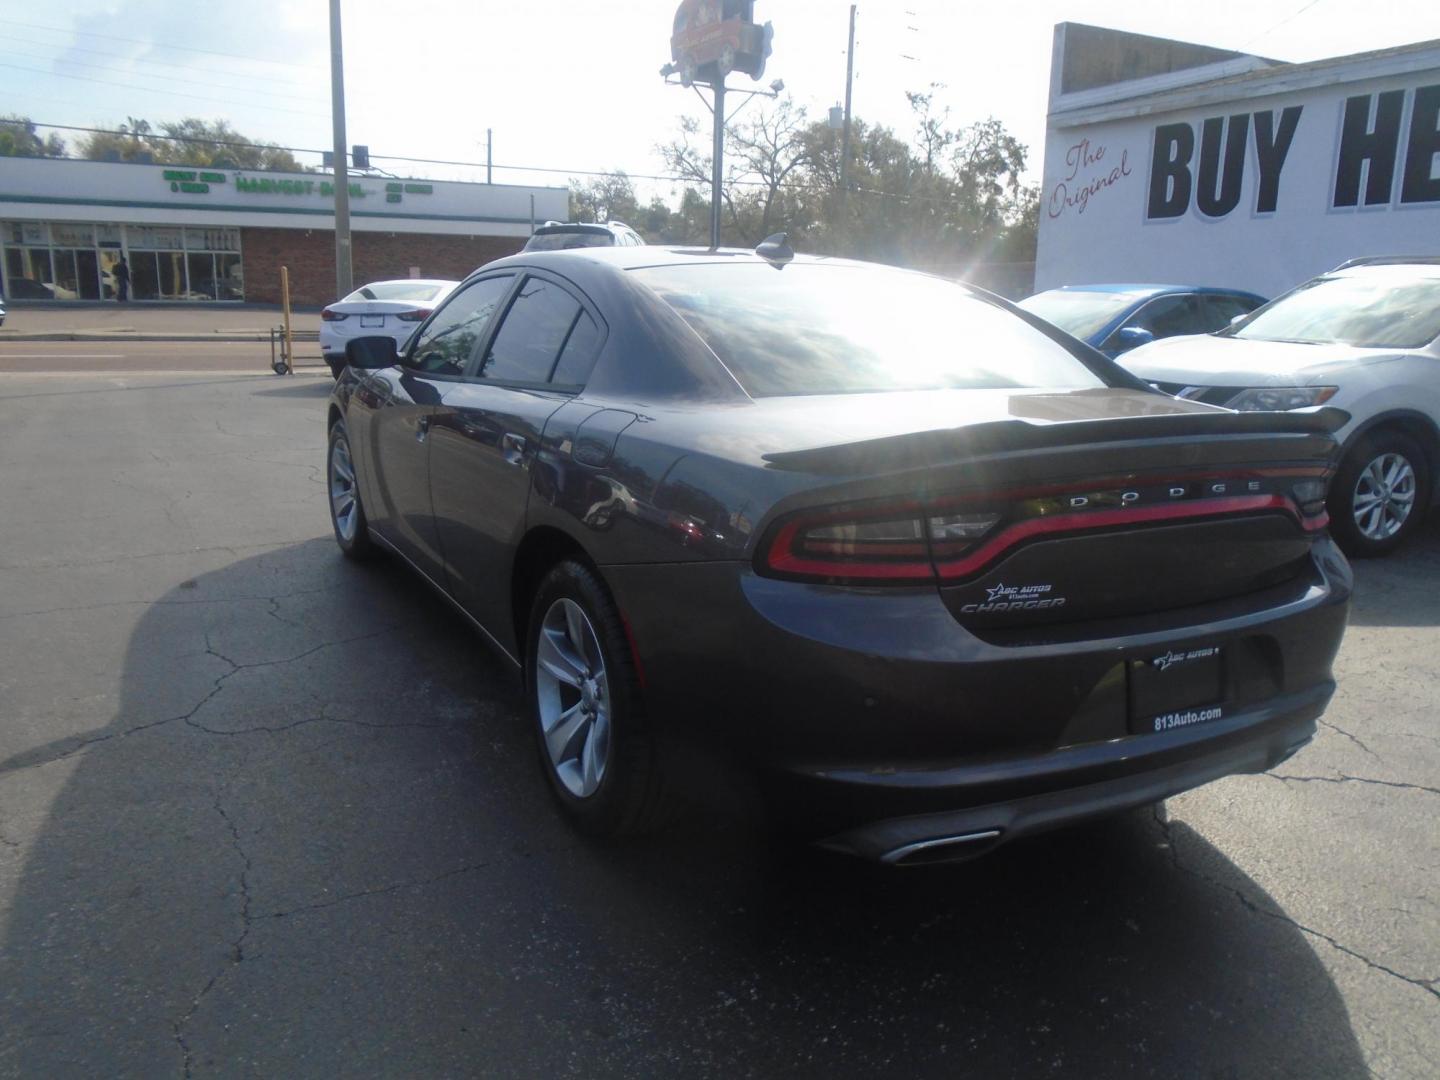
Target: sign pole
x,y
343,280
717,168
285,309
845,136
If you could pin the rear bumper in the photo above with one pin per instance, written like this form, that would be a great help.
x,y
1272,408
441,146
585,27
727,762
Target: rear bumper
x,y
876,720
1255,742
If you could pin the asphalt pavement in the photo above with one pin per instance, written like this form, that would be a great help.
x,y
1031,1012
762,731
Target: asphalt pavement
x,y
267,813
116,355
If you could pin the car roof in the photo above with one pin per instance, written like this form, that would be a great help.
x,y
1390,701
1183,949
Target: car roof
x,y
635,258
1148,290
407,281
1388,260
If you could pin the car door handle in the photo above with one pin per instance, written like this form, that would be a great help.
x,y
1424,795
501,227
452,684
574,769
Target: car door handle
x,y
422,428
512,448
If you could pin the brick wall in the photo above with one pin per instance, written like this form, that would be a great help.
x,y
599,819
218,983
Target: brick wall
x,y
310,255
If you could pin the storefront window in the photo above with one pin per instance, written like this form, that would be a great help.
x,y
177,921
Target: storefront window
x,y
229,278
77,260
72,236
27,274
144,278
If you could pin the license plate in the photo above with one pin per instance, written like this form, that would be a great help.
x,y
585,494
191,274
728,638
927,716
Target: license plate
x,y
372,320
1177,688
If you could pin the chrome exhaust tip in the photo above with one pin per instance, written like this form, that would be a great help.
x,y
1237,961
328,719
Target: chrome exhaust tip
x,y
941,849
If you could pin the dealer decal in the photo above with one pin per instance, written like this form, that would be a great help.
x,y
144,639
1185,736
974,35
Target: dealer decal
x,y
1014,598
1167,721
1170,659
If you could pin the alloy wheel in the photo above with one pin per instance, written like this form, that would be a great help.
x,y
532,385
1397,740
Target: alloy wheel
x,y
1384,496
573,694
343,502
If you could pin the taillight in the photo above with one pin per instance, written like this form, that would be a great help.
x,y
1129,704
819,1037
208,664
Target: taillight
x,y
952,538
881,545
950,534
330,315
414,315
1309,497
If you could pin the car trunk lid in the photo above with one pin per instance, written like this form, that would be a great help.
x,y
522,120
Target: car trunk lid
x,y
1081,505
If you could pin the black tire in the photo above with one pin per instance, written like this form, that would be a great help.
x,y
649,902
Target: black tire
x,y
355,543
1343,489
336,366
631,798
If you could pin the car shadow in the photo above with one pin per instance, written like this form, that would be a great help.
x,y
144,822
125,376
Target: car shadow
x,y
1402,589
313,839
305,384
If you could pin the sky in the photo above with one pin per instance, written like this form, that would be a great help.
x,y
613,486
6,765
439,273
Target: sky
x,y
573,85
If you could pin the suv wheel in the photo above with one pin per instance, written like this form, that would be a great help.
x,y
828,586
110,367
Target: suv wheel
x,y
1380,495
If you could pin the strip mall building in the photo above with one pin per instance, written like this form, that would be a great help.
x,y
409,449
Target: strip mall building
x,y
223,234
1182,164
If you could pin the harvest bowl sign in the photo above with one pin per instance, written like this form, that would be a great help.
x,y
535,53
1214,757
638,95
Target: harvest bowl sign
x,y
204,181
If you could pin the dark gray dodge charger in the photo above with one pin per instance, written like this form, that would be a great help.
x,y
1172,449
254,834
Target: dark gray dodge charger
x,y
935,572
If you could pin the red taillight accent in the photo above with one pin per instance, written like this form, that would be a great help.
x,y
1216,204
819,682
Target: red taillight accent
x,y
414,315
912,542
333,316
1021,531
872,547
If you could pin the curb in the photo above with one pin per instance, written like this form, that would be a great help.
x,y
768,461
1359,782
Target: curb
x,y
103,335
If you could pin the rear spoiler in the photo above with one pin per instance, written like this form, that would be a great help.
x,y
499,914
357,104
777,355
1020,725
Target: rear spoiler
x,y
929,448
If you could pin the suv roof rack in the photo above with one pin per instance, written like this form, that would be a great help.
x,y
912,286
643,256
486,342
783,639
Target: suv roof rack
x,y
1388,260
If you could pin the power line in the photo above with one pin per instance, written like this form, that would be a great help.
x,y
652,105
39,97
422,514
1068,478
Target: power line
x,y
163,78
153,90
120,58
1283,22
477,165
160,44
170,138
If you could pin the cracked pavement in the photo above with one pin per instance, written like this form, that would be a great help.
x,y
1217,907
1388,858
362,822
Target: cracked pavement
x,y
266,813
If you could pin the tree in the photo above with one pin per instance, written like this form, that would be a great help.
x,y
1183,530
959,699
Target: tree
x,y
190,141
18,138
610,196
765,159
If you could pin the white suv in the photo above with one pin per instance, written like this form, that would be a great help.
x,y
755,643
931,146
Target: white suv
x,y
1364,338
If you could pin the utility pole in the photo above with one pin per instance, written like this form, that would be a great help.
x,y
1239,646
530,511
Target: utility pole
x,y
489,150
717,153
845,137
343,277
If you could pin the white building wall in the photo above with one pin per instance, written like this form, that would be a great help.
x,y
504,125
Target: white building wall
x,y
1098,224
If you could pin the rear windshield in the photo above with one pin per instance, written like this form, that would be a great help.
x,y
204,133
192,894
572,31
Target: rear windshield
x,y
821,329
1081,313
395,290
1381,309
561,241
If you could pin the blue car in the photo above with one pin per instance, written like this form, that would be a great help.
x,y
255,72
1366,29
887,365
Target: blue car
x,y
1118,318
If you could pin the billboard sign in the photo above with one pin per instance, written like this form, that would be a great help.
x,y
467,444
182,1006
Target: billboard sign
x,y
1257,192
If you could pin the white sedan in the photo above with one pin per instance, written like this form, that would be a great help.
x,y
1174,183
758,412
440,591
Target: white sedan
x,y
1364,338
382,308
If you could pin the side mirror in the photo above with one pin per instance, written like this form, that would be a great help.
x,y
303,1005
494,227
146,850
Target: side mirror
x,y
371,353
1130,337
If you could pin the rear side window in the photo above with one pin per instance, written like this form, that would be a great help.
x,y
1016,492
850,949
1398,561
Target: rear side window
x,y
579,353
528,342
812,328
563,241
395,290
